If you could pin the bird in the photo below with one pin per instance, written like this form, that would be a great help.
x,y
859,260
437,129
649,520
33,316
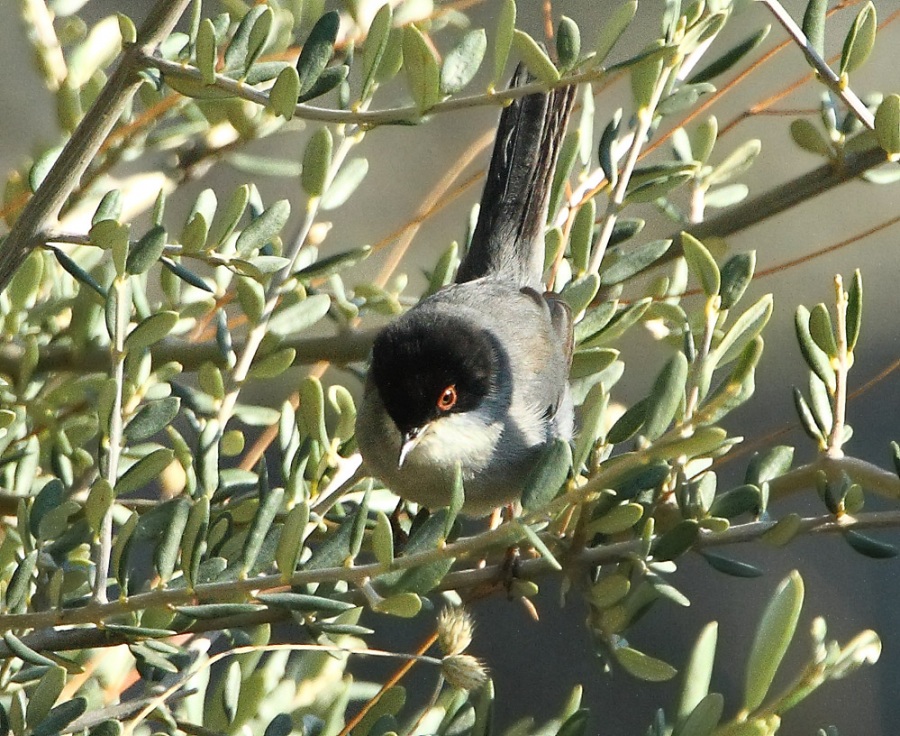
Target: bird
x,y
472,382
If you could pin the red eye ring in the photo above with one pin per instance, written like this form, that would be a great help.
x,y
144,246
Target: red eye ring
x,y
447,400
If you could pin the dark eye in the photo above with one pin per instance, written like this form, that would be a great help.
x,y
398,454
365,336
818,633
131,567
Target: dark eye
x,y
447,400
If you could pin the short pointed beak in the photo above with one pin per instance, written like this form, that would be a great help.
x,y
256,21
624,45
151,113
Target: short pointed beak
x,y
410,439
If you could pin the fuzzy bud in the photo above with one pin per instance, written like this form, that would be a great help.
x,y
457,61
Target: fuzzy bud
x,y
463,671
455,628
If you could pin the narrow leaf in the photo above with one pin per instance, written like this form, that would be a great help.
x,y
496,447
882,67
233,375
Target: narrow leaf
x,y
814,24
318,49
773,635
730,57
317,162
860,40
701,263
503,36
535,58
463,61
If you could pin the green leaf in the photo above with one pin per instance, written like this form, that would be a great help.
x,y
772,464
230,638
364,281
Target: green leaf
x,y
678,540
576,724
744,330
737,162
98,503
144,471
628,425
462,61
60,717
423,73
665,397
219,610
153,417
821,330
854,310
698,673
703,139
269,506
151,330
701,263
771,464
146,251
317,162
402,605
305,602
702,721
645,76
262,229
612,30
327,81
730,57
285,92
809,138
374,47
318,49
24,652
165,554
773,635
19,587
273,364
44,695
736,275
48,498
205,51
568,42
42,166
591,361
870,547
807,419
298,317
684,97
621,265
230,215
814,24
887,124
188,277
311,416
236,53
290,541
581,235
815,357
860,40
503,36
578,294
259,36
345,182
643,666
535,58
618,519
609,591
653,189
728,566
333,264
784,530
741,500
545,481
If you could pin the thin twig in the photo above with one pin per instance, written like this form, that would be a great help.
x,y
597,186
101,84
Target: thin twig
x,y
826,73
370,118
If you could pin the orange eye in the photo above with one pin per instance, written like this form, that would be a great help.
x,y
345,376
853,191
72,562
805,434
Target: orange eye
x,y
447,400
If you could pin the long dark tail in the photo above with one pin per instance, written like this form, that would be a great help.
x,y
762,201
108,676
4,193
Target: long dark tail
x,y
508,238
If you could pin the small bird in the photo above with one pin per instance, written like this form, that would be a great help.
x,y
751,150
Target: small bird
x,y
475,376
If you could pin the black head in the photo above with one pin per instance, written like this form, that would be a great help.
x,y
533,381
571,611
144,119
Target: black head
x,y
426,365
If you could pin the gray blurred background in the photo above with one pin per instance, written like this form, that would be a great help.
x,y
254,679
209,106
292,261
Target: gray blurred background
x,y
852,592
